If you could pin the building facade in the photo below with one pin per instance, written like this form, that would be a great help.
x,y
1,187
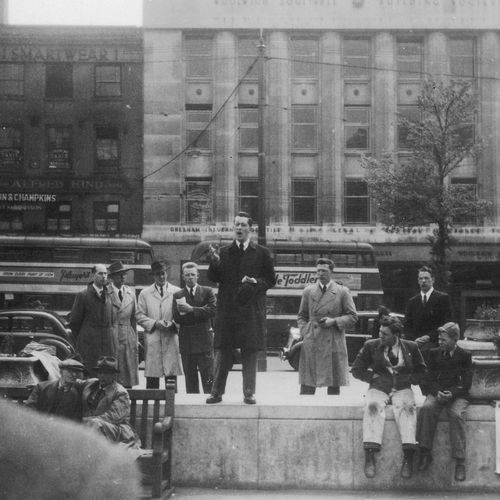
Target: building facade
x,y
338,74
71,124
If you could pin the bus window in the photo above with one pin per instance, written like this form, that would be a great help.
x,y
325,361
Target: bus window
x,y
144,258
125,257
283,305
11,255
4,324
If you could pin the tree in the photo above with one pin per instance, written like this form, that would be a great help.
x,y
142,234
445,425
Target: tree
x,y
417,190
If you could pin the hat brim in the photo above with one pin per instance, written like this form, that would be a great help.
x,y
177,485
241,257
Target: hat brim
x,y
124,270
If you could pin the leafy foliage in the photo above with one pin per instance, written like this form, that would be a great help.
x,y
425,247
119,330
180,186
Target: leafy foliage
x,y
416,190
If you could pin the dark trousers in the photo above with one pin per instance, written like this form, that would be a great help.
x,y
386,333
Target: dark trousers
x,y
191,363
224,362
154,382
310,389
428,418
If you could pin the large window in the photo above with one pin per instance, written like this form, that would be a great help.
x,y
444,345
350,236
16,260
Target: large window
x,y
305,57
304,201
249,196
411,113
247,52
197,130
11,80
199,201
106,217
410,60
249,129
58,217
59,148
198,57
305,127
356,59
462,57
107,148
59,81
357,127
108,80
356,202
11,148
11,221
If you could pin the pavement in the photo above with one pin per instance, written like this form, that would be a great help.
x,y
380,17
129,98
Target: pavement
x,y
219,494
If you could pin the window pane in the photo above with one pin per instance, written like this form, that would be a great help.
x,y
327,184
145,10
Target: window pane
x,y
249,196
199,202
356,137
356,188
11,80
356,58
59,80
304,188
198,57
410,113
462,57
11,148
249,138
304,201
249,187
304,128
356,115
196,122
356,202
247,52
304,58
59,147
108,80
410,60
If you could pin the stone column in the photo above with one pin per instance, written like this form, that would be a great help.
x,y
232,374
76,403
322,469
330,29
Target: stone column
x,y
488,168
277,120
163,113
330,174
224,128
384,119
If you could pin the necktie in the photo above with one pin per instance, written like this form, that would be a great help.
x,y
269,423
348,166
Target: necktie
x,y
424,300
242,247
103,295
120,295
392,357
191,293
160,289
323,288
445,355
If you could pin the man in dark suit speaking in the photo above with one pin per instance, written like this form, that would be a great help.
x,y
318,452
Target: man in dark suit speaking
x,y
426,312
193,306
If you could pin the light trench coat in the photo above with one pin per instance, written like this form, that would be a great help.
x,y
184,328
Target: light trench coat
x,y
323,356
124,336
161,349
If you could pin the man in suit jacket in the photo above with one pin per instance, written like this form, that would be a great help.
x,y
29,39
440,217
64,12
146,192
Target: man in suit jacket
x,y
123,325
193,307
390,365
326,311
60,397
446,386
244,271
106,405
161,342
426,311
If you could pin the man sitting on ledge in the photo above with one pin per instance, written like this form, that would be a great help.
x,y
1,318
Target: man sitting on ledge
x,y
106,405
390,365
446,386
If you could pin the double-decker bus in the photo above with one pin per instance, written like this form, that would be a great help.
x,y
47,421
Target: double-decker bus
x,y
49,271
295,268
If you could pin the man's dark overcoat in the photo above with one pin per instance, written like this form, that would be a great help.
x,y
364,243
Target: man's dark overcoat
x,y
241,309
48,397
371,361
425,320
91,325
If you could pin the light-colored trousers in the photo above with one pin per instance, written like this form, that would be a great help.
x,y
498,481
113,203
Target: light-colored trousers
x,y
405,415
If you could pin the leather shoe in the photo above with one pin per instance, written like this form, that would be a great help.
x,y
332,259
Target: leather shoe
x,y
249,400
424,461
406,468
370,467
459,472
214,398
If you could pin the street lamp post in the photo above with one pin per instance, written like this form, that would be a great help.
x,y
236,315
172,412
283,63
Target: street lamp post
x,y
261,216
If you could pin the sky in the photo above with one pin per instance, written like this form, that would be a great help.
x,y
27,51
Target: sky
x,y
86,12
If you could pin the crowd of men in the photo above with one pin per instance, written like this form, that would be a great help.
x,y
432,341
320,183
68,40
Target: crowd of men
x,y
179,339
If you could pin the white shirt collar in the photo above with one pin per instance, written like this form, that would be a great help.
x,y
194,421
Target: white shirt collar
x,y
98,290
245,243
118,289
321,286
194,288
427,294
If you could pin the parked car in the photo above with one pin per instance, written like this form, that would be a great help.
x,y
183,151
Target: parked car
x,y
18,327
355,338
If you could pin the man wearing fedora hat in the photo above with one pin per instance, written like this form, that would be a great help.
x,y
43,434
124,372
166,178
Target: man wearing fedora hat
x,y
60,397
106,404
123,325
161,342
91,319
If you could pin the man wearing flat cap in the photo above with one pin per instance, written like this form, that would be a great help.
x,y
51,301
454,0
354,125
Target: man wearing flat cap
x,y
106,405
60,397
123,325
161,342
